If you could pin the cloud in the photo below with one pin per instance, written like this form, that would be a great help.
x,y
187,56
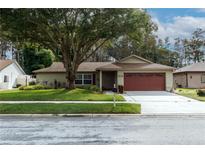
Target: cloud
x,y
179,26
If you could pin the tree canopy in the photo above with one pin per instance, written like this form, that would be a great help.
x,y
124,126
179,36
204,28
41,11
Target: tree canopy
x,y
74,34
35,58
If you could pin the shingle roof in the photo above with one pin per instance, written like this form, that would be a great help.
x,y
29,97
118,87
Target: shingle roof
x,y
83,67
135,67
5,63
197,67
57,67
109,66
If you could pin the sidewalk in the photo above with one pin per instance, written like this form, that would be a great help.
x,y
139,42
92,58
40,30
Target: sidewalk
x,y
58,102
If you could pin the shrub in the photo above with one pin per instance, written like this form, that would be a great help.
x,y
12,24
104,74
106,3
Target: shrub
x,y
90,87
18,85
34,87
200,92
22,87
32,83
94,88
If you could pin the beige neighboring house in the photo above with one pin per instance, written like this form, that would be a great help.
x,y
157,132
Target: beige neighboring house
x,y
134,73
192,76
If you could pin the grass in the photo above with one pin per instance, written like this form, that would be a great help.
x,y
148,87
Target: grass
x,y
69,108
55,95
191,93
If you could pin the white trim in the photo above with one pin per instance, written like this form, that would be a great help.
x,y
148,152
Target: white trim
x,y
19,67
135,56
83,74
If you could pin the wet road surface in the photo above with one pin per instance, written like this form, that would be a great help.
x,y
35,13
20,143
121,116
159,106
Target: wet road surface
x,y
103,130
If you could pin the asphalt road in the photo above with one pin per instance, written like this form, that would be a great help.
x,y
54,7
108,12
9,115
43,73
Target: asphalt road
x,y
103,130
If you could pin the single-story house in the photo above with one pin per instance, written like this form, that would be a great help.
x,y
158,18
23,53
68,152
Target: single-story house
x,y
134,73
10,70
192,76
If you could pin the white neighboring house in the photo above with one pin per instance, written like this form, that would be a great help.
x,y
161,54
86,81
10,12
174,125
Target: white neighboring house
x,y
10,71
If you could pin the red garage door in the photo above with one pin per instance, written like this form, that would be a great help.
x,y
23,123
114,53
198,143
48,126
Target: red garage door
x,y
144,81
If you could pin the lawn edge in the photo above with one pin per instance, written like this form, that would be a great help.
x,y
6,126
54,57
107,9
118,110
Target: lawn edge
x,y
51,112
191,97
70,115
162,115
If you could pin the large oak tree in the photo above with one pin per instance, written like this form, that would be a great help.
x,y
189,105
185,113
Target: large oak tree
x,y
75,33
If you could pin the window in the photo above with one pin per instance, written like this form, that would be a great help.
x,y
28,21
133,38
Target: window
x,y
203,78
87,79
6,78
78,79
83,79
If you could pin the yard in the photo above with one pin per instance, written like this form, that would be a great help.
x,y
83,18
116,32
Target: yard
x,y
69,108
191,93
56,95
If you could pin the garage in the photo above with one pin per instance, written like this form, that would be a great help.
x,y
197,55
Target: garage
x,y
144,81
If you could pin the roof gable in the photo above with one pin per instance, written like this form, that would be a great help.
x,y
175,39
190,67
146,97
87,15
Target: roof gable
x,y
134,59
197,67
5,63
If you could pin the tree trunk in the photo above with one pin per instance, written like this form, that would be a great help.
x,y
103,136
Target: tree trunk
x,y
70,80
71,70
71,64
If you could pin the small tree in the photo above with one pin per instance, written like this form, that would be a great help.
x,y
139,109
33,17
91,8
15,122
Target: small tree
x,y
35,58
197,44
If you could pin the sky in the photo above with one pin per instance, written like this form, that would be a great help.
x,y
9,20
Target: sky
x,y
175,23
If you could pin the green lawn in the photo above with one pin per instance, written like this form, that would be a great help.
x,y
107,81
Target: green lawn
x,y
69,108
191,93
55,94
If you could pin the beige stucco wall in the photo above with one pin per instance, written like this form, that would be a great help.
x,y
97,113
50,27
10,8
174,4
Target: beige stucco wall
x,y
50,78
168,75
59,77
194,80
180,79
169,80
120,78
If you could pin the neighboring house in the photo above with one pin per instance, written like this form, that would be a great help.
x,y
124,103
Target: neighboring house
x,y
192,76
10,70
133,73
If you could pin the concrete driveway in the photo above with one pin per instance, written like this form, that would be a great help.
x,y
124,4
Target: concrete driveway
x,y
161,102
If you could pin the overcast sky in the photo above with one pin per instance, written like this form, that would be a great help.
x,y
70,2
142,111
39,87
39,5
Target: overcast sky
x,y
177,22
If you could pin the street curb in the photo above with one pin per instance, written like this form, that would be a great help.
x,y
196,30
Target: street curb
x,y
105,115
66,115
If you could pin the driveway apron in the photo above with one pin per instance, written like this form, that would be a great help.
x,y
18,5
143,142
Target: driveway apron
x,y
161,102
